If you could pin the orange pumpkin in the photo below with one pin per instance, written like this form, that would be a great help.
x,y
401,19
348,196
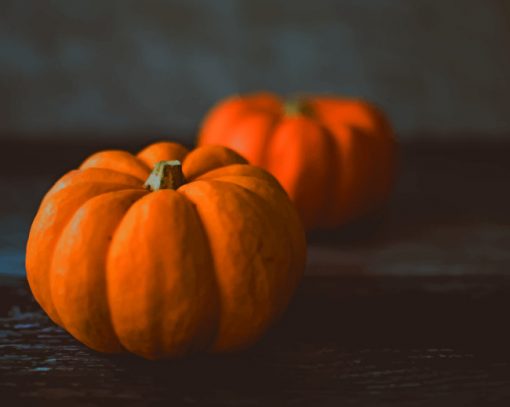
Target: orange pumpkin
x,y
334,157
202,257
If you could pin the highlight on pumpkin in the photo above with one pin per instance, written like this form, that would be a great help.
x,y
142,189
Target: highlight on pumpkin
x,y
165,253
334,156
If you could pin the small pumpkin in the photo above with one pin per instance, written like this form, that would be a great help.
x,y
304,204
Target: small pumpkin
x,y
335,157
202,256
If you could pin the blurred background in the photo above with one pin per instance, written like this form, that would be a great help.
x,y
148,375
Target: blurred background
x,y
403,308
78,76
97,69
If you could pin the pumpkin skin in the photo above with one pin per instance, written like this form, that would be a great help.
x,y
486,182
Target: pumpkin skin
x,y
207,266
335,157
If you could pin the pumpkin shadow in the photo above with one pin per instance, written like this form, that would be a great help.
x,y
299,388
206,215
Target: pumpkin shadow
x,y
435,188
333,320
367,311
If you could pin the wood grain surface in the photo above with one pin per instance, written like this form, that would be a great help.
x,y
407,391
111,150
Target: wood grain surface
x,y
355,341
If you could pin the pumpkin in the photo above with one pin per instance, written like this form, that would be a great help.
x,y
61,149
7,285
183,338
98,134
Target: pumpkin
x,y
335,157
198,256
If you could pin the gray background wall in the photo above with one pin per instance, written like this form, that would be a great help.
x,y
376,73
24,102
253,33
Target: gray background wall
x,y
125,67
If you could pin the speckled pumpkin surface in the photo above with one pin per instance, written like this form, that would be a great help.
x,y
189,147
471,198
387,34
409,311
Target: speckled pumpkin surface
x,y
139,253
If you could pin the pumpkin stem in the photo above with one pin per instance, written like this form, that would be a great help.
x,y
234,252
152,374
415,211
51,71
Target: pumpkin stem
x,y
165,175
297,106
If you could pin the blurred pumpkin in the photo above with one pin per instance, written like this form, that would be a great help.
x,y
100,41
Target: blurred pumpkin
x,y
335,157
202,257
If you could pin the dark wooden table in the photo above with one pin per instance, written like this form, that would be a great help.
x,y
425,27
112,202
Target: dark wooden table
x,y
409,308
